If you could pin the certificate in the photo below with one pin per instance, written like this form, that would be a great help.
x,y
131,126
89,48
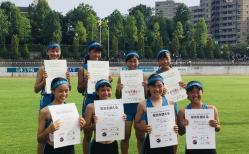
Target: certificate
x,y
133,90
97,70
54,69
69,131
110,125
199,134
171,80
162,121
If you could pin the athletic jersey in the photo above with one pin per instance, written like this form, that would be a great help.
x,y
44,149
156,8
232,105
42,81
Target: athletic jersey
x,y
203,106
149,105
46,99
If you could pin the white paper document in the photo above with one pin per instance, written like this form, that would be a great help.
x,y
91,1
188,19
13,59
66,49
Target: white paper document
x,y
199,134
174,92
69,131
54,69
133,90
97,70
162,121
110,125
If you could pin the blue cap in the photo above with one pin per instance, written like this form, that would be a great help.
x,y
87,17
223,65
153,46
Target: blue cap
x,y
193,84
94,45
154,79
58,83
131,54
161,53
53,46
102,82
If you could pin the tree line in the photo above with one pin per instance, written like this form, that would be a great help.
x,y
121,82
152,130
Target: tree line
x,y
140,30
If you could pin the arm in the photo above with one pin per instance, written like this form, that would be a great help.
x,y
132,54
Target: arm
x,y
88,117
43,133
82,80
68,79
216,122
119,89
145,86
139,123
40,80
182,122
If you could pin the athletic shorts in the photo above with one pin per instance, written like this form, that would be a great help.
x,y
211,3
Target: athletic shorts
x,y
130,110
148,150
49,149
200,151
99,148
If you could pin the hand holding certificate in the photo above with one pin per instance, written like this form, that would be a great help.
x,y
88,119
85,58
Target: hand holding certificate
x,y
54,69
69,131
162,122
133,90
110,125
174,92
97,70
199,134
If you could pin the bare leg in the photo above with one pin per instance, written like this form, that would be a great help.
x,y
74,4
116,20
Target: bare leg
x,y
125,142
86,141
140,140
40,148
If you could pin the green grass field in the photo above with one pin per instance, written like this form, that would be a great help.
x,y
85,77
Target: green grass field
x,y
19,107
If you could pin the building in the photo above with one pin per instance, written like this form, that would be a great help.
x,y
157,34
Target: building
x,y
24,10
167,8
227,20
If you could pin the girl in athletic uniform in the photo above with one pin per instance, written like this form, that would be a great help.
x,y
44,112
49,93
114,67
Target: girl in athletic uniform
x,y
195,92
155,98
94,53
54,53
103,92
46,127
132,62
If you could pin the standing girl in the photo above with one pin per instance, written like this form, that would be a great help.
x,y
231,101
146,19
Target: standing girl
x,y
60,90
195,92
54,53
103,92
156,99
94,53
132,62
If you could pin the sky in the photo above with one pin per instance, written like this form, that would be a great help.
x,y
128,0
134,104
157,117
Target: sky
x,y
102,7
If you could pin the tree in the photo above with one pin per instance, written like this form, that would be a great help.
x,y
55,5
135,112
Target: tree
x,y
114,47
85,14
15,47
209,49
146,11
37,14
18,24
201,33
157,43
217,51
226,52
131,31
80,30
182,14
76,46
175,46
25,51
4,29
179,30
141,26
192,49
116,26
51,31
